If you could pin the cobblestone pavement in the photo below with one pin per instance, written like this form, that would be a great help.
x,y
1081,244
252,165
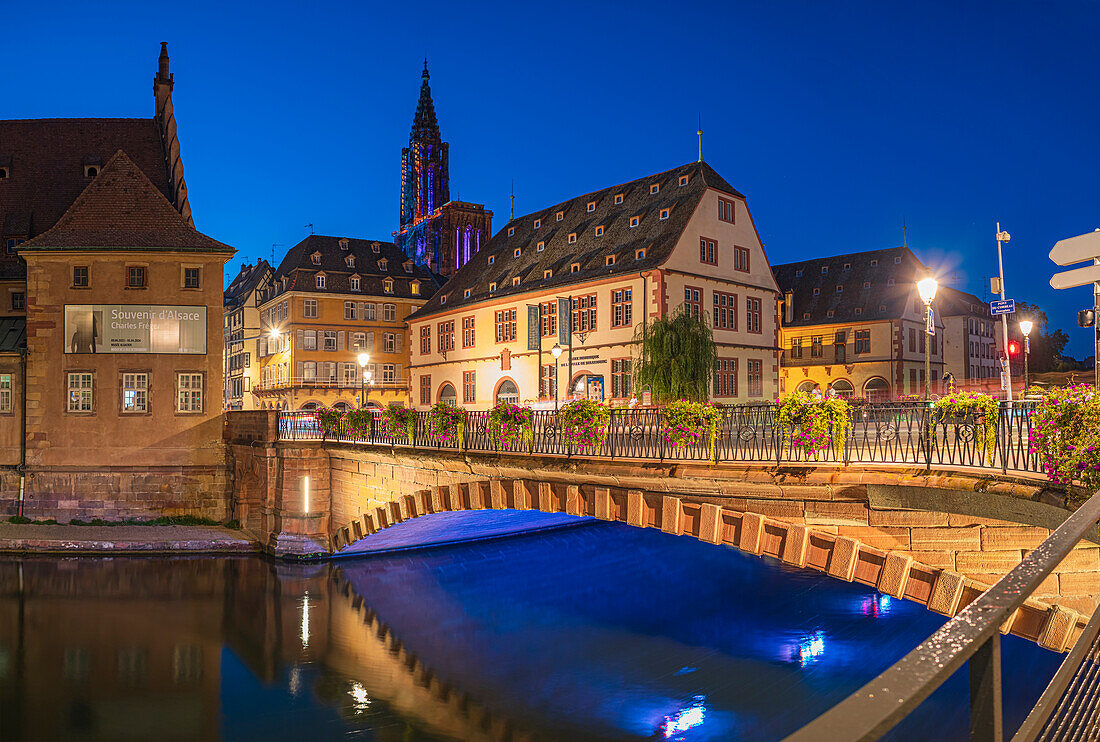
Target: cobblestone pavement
x,y
80,539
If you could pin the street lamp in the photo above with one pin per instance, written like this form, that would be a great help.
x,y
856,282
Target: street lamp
x,y
364,359
1025,328
556,352
926,287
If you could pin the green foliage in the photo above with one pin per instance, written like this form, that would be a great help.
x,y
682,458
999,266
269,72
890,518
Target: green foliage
x,y
19,519
1065,435
447,424
512,425
328,419
359,422
814,425
400,420
233,525
678,357
971,407
584,423
687,422
1046,347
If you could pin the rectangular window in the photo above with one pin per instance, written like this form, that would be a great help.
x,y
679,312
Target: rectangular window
x,y
469,390
369,312
863,341
708,251
725,378
622,308
752,315
583,315
389,373
692,301
309,370
425,390
725,311
468,332
548,379
358,341
18,301
135,277
5,392
309,309
505,324
816,348
135,392
389,312
80,276
621,379
912,340
349,310
741,259
756,378
191,278
309,340
80,392
189,392
796,347
725,211
548,312
329,340
425,341
446,336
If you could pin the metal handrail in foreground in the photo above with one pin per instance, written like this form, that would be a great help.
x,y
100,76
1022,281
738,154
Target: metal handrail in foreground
x,y
972,635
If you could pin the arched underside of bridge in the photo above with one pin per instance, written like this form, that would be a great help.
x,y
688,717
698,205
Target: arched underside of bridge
x,y
891,572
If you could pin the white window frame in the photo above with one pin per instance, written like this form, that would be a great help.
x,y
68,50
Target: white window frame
x,y
307,306
189,389
5,392
389,312
135,384
84,389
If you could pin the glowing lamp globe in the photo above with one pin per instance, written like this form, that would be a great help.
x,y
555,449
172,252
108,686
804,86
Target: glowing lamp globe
x,y
1025,327
926,287
364,359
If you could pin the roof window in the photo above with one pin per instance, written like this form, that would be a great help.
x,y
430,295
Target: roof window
x,y
320,280
882,307
90,171
511,231
408,266
350,261
387,286
591,206
634,221
382,264
817,292
547,274
618,198
824,269
316,257
375,247
492,287
654,188
866,284
840,288
664,213
574,268
609,260
889,282
829,313
516,253
639,254
344,243
874,263
5,172
572,237
847,266
515,281
805,315
414,286
897,260
858,311
466,294
798,273
683,180
492,259
443,299
541,246
538,223
599,231
559,216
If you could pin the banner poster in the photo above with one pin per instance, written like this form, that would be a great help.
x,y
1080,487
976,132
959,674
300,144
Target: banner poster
x,y
134,328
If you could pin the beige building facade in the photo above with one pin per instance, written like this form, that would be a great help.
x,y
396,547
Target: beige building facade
x,y
241,335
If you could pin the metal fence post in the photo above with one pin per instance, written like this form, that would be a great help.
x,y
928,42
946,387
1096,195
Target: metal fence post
x,y
1004,441
611,433
985,692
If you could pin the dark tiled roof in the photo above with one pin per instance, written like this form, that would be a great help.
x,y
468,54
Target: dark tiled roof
x,y
950,302
121,208
13,334
246,280
658,237
46,159
300,271
880,300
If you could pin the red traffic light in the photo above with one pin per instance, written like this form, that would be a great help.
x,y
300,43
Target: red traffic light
x,y
1013,348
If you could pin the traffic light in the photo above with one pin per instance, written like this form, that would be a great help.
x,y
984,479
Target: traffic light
x,y
1013,348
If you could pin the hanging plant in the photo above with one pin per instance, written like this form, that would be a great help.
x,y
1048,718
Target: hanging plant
x,y
971,408
399,421
511,426
1065,435
814,425
358,422
584,423
687,423
328,419
447,424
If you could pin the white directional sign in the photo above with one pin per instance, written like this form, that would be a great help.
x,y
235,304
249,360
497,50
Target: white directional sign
x,y
1076,249
1076,277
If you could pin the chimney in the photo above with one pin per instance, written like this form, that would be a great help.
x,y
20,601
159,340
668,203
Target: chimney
x,y
788,307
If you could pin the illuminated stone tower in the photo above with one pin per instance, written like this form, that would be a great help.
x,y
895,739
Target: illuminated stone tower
x,y
435,232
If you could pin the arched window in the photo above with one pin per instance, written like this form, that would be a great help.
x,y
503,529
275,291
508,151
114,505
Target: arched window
x,y
877,390
843,388
447,395
308,406
467,242
341,406
508,392
806,386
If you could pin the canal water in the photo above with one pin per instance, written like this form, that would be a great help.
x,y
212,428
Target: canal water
x,y
599,631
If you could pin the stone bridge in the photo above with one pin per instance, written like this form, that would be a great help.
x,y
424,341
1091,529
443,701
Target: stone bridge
x,y
937,538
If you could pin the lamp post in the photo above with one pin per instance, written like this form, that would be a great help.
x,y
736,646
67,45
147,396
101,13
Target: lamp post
x,y
1003,237
364,359
926,287
556,352
1025,328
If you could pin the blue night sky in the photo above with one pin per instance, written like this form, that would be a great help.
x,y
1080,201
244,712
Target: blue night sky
x,y
838,121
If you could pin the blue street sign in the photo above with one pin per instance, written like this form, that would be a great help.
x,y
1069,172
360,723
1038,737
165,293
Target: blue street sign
x,y
930,327
1004,306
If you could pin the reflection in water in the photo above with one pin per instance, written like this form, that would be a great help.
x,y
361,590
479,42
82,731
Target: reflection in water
x,y
596,632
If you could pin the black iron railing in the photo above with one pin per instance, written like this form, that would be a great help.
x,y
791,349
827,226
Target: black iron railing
x,y
888,433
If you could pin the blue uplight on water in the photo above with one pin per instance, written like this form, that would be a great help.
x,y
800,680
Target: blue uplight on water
x,y
875,605
685,719
810,648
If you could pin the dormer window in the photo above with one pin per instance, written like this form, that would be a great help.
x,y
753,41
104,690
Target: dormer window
x,y
599,231
858,311
376,247
511,231
882,307
874,263
634,221
90,171
354,283
817,292
897,260
466,293
683,180
515,281
591,206
538,223
609,260
443,299
798,273
387,285
575,268
840,288
654,188
559,216
5,172
350,261
344,243
847,266
618,198
492,259
414,287
572,238
824,269
547,274
316,257
516,253
664,213
408,266
866,284
639,254
382,264
829,313
805,315
889,282
540,247
492,287
320,280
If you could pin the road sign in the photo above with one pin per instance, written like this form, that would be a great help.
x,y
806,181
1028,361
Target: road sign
x,y
1076,277
1076,249
1002,306
930,326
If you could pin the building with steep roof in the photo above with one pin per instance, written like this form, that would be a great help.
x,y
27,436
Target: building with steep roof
x,y
330,300
440,234
605,263
241,331
971,344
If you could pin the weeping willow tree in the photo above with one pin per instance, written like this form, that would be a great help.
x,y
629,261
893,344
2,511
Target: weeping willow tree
x,y
678,357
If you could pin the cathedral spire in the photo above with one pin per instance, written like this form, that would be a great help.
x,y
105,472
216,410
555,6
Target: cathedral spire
x,y
425,127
